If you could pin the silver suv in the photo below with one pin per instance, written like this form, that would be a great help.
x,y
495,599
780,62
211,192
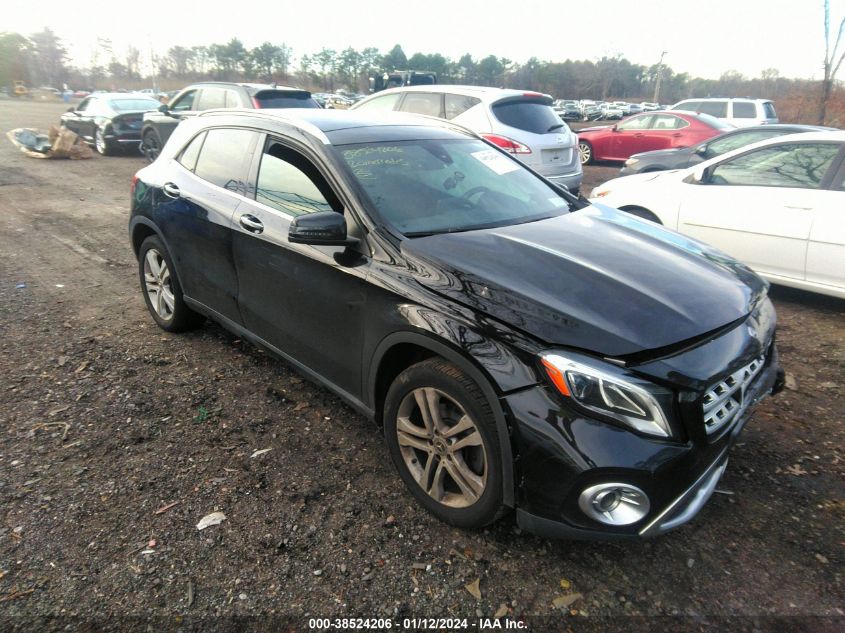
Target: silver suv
x,y
739,112
522,123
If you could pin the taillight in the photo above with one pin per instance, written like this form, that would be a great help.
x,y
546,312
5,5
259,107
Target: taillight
x,y
507,144
256,103
132,186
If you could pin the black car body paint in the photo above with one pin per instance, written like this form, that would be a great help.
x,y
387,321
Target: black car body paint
x,y
648,302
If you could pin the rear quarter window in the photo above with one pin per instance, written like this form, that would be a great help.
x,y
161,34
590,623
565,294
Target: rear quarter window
x,y
458,104
536,117
744,110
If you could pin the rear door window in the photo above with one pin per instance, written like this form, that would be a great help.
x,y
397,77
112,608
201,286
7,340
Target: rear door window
x,y
744,110
769,110
718,109
285,99
667,122
428,103
211,98
458,104
537,117
224,158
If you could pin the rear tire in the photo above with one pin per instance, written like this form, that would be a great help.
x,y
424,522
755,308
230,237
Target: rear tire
x,y
441,435
162,292
586,151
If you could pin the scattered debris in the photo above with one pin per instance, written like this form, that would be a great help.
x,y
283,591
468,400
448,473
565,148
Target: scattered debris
x,y
790,383
215,518
261,452
59,142
16,594
796,470
501,612
565,584
562,602
474,588
190,593
822,559
21,285
165,508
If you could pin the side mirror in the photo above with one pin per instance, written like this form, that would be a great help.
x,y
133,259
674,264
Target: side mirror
x,y
702,151
70,110
324,228
163,108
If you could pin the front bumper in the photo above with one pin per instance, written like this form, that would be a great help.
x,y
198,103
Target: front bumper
x,y
562,453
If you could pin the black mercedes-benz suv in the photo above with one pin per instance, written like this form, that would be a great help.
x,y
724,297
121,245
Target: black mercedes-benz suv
x,y
519,347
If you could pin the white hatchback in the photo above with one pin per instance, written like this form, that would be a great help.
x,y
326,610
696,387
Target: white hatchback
x,y
522,123
777,205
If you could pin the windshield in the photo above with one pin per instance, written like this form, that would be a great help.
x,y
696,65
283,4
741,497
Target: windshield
x,y
441,186
128,105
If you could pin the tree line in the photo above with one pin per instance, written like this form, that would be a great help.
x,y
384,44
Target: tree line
x,y
41,59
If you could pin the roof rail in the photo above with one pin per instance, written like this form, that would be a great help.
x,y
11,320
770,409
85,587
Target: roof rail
x,y
305,126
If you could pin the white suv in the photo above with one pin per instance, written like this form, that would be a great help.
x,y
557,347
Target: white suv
x,y
739,112
522,123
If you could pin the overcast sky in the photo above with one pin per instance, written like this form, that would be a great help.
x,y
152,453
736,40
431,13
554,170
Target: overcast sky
x,y
701,37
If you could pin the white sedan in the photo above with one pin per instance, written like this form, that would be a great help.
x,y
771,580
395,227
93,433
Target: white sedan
x,y
777,205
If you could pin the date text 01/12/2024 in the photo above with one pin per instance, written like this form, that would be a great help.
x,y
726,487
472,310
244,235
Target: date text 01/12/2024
x,y
415,624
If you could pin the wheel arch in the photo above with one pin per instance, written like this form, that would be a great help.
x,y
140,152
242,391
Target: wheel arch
x,y
641,212
140,228
400,350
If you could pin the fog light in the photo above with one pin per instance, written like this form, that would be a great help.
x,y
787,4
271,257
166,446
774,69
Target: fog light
x,y
614,503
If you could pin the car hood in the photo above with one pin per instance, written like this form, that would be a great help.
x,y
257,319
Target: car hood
x,y
596,279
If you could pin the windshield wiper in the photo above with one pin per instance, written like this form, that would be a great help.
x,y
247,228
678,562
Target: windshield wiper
x,y
556,126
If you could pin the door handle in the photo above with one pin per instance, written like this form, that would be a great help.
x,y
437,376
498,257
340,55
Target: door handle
x,y
676,134
171,190
638,135
251,223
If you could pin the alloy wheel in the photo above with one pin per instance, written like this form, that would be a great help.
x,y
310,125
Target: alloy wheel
x,y
586,152
100,141
442,447
158,284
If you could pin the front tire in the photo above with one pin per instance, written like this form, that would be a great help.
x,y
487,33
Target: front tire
x,y
161,289
441,435
586,151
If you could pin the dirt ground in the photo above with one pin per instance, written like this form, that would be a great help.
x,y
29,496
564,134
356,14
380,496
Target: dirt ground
x,y
117,438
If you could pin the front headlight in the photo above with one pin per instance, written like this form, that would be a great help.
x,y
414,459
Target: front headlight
x,y
612,392
631,161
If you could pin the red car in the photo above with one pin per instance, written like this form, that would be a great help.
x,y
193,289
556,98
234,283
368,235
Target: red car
x,y
646,132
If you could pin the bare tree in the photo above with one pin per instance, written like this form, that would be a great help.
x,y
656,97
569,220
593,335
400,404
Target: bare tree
x,y
831,63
